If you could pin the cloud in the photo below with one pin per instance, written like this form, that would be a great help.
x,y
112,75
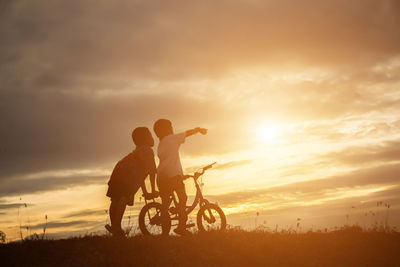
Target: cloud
x,y
10,206
231,164
155,39
363,155
361,210
19,186
72,92
220,166
312,190
76,78
355,155
62,224
83,213
384,174
57,131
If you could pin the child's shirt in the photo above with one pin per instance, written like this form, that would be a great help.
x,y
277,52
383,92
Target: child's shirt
x,y
168,153
133,169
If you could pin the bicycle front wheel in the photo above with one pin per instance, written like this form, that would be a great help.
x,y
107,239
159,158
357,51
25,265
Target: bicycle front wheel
x,y
211,218
193,205
150,220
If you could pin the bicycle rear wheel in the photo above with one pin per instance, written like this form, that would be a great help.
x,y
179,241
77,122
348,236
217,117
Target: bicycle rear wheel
x,y
150,220
211,218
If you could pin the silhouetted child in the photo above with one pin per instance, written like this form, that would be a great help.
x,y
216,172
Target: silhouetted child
x,y
129,175
169,172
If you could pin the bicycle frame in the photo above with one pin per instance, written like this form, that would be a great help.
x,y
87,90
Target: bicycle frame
x,y
145,201
205,214
199,194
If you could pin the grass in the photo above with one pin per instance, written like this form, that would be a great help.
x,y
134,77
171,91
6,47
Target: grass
x,y
350,246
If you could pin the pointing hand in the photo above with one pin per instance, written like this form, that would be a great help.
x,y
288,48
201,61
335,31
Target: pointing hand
x,y
203,131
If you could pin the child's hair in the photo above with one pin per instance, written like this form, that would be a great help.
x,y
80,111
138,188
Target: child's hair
x,y
142,136
162,128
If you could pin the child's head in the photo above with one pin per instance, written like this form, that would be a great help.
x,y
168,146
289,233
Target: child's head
x,y
141,136
162,128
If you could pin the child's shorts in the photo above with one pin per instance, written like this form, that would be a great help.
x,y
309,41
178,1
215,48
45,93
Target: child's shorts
x,y
116,192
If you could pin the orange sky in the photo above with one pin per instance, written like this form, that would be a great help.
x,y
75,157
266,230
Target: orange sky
x,y
301,99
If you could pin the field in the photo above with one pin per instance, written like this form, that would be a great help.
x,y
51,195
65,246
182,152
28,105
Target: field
x,y
346,247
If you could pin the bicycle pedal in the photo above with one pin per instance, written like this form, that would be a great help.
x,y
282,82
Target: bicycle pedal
x,y
173,210
108,228
190,225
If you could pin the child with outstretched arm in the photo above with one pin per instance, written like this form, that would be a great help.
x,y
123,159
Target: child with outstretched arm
x,y
169,172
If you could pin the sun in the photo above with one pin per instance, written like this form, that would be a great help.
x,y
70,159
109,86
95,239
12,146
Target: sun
x,y
267,133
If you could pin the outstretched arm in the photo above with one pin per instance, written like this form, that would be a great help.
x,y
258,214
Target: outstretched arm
x,y
196,130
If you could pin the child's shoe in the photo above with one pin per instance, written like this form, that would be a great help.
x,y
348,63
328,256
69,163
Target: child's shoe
x,y
182,231
115,232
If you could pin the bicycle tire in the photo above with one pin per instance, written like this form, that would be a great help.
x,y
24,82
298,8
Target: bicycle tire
x,y
142,218
196,200
201,213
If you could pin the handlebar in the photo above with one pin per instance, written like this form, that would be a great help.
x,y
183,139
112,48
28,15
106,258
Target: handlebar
x,y
198,174
209,166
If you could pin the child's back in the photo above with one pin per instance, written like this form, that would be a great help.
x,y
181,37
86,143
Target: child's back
x,y
130,172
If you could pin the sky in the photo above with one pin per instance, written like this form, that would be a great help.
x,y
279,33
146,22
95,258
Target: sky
x,y
300,98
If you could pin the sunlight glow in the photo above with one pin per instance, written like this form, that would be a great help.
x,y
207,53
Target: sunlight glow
x,y
268,133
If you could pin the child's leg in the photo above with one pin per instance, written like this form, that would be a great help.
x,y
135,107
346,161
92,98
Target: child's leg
x,y
117,210
179,188
164,212
120,212
113,211
165,192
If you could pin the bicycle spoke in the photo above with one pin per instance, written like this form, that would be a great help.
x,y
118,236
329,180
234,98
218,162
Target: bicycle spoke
x,y
211,218
153,221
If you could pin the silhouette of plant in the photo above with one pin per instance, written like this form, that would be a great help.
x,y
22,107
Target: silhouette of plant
x,y
19,219
298,225
45,227
2,237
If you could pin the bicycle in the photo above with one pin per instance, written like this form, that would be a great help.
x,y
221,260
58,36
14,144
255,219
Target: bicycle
x,y
209,217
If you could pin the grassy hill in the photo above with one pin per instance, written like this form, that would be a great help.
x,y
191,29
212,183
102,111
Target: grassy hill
x,y
348,247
